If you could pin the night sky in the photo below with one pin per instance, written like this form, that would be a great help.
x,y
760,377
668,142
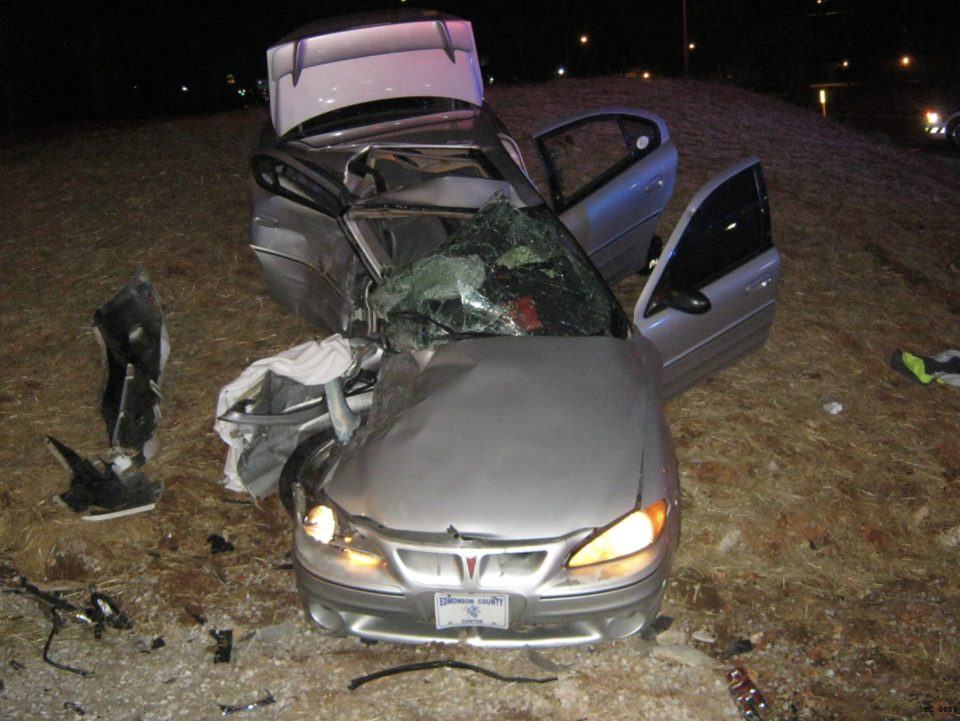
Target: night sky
x,y
62,62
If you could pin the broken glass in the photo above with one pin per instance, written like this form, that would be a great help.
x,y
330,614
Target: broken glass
x,y
507,272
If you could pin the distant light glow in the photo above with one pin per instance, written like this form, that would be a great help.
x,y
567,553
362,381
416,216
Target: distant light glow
x,y
823,96
583,39
933,118
692,46
846,63
491,80
184,88
905,60
646,76
731,226
561,71
231,80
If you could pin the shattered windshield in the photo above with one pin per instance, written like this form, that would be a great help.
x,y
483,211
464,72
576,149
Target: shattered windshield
x,y
507,272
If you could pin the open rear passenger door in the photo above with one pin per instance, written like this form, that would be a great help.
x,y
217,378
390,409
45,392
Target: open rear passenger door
x,y
611,172
710,301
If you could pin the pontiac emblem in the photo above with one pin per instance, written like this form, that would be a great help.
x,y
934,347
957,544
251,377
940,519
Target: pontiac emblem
x,y
471,565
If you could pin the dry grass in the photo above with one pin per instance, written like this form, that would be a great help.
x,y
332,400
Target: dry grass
x,y
825,506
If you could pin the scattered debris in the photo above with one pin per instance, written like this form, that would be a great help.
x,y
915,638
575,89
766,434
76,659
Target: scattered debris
x,y
741,645
833,408
544,663
288,566
660,624
686,656
16,665
104,612
74,707
942,368
950,539
427,665
226,710
133,335
219,544
158,642
729,541
101,487
704,636
57,625
195,612
224,647
745,694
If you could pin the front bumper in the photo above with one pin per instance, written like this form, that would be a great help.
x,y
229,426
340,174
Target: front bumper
x,y
542,612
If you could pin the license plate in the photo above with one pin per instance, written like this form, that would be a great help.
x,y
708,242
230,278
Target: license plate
x,y
470,609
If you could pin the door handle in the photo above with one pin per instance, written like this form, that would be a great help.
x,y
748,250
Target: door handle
x,y
759,284
654,185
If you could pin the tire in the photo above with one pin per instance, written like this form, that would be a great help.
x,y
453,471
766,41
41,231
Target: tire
x,y
953,133
311,457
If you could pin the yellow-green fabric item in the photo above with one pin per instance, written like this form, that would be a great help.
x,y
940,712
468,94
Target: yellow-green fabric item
x,y
917,367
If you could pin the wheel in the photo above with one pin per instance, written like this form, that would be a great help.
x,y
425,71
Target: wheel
x,y
953,133
310,457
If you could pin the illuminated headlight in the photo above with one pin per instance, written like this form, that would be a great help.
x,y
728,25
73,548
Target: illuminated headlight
x,y
624,537
323,524
320,524
933,118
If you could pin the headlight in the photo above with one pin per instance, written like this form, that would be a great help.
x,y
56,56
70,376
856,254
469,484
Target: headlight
x,y
320,524
933,118
625,537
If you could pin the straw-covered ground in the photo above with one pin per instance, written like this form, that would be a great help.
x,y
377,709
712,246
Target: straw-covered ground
x,y
829,540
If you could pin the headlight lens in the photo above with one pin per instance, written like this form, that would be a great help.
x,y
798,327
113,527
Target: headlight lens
x,y
625,537
320,524
933,118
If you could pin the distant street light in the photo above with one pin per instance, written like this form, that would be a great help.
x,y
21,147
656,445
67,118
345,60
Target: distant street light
x,y
692,46
905,60
583,39
561,71
823,101
846,63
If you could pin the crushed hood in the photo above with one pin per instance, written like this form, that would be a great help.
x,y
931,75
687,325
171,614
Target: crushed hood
x,y
325,67
511,438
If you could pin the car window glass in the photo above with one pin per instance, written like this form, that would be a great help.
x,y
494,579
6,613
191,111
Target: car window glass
x,y
506,272
582,156
729,228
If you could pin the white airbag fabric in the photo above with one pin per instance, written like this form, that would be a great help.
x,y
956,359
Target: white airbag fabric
x,y
312,363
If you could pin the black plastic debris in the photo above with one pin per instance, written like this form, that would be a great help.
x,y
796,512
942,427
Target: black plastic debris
x,y
74,707
16,665
158,642
427,665
57,625
224,647
102,612
219,544
660,624
101,488
741,645
750,703
226,710
193,611
133,335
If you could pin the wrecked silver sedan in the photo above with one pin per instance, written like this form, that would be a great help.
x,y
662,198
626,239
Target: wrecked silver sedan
x,y
495,464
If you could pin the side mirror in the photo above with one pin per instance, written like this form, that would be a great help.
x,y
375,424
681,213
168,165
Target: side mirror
x,y
686,301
